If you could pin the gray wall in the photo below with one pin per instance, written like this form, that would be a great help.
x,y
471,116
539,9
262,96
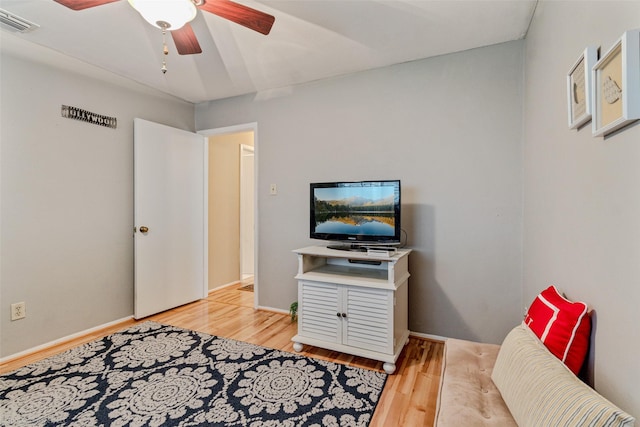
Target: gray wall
x,y
451,129
67,199
582,198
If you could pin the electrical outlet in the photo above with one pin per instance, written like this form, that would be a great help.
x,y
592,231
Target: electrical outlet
x,y
18,311
273,189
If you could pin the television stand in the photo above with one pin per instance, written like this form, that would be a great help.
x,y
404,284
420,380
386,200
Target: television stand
x,y
354,303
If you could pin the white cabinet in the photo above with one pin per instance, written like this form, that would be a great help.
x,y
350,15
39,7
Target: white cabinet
x,y
353,303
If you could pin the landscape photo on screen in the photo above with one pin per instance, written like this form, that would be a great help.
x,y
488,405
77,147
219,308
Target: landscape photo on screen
x,y
355,210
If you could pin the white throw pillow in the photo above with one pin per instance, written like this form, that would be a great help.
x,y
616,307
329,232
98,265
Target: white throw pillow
x,y
541,391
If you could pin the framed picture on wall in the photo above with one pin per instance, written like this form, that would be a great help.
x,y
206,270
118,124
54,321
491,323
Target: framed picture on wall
x,y
579,99
616,85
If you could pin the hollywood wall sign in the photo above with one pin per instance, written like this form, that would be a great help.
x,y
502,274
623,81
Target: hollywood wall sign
x,y
89,117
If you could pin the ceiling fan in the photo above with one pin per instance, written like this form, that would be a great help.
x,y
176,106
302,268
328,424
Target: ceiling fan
x,y
174,16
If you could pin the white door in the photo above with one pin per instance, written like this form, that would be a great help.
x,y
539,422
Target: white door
x,y
169,196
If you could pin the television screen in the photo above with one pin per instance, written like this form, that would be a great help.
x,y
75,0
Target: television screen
x,y
367,211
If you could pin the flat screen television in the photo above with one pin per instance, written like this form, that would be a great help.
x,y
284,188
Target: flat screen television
x,y
363,212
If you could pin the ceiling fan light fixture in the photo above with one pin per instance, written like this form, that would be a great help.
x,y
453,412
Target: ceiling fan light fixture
x,y
159,13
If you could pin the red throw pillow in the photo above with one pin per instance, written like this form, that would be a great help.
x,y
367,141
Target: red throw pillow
x,y
562,325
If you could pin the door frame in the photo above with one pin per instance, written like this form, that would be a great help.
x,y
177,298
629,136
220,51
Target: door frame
x,y
246,127
246,151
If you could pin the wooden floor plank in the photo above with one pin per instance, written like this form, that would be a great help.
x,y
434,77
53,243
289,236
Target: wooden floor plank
x,y
410,394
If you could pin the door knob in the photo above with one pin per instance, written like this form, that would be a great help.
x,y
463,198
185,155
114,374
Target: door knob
x,y
144,229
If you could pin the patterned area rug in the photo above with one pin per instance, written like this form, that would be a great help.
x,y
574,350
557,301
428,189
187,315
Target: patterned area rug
x,y
155,375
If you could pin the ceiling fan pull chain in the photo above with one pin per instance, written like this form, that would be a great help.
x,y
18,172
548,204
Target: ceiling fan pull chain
x,y
165,51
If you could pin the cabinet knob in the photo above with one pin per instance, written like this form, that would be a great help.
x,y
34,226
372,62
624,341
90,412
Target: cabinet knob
x,y
338,314
344,314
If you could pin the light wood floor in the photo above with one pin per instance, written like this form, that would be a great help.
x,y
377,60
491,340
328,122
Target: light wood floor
x,y
408,399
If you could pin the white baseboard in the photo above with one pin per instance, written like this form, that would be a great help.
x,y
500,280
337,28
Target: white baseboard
x,y
428,336
275,310
226,285
62,340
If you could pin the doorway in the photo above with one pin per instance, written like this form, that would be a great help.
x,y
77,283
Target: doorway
x,y
232,206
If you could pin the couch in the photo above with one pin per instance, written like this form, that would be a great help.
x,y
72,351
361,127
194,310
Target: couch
x,y
520,383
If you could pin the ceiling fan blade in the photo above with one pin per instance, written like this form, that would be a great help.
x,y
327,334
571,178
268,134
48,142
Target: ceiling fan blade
x,y
83,4
240,14
186,41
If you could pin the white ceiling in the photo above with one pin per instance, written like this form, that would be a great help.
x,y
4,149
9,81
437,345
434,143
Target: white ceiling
x,y
310,40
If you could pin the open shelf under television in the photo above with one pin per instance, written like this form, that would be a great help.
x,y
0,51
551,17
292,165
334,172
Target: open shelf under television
x,y
319,263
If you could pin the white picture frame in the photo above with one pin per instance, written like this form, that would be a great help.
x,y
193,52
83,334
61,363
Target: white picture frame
x,y
616,85
579,88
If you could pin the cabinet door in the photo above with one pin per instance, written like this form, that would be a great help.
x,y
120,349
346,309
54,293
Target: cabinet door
x,y
318,305
369,321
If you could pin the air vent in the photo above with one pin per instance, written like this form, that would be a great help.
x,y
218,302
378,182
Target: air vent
x,y
12,22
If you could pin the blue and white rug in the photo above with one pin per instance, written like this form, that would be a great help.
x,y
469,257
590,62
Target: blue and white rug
x,y
158,375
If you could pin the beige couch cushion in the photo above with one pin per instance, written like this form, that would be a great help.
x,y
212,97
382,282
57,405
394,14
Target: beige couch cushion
x,y
540,391
468,397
